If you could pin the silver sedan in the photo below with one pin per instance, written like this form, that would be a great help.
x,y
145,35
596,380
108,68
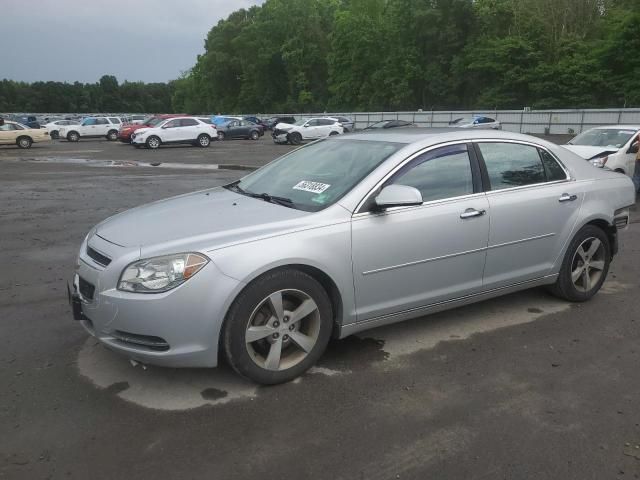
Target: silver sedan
x,y
343,235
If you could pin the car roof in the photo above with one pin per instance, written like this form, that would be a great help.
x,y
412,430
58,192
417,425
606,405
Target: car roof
x,y
616,127
424,137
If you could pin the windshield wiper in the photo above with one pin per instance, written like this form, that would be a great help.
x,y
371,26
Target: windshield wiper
x,y
285,202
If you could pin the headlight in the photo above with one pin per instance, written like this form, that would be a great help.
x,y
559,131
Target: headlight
x,y
160,274
599,162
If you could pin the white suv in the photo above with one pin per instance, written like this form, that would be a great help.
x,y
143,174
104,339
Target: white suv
x,y
306,129
92,127
175,130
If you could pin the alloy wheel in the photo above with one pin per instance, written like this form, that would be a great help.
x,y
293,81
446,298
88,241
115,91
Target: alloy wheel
x,y
588,264
282,330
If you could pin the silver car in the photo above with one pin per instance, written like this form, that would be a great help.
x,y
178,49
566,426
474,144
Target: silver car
x,y
343,235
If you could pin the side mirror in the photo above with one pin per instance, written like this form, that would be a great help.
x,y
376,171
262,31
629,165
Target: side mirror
x,y
634,147
398,196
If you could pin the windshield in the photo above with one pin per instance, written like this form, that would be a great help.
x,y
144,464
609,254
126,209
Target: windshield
x,y
604,137
150,121
301,122
316,176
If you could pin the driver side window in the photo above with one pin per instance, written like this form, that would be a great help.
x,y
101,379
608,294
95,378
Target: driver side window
x,y
439,174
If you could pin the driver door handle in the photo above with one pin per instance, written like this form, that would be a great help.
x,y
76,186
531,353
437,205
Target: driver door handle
x,y
565,197
472,212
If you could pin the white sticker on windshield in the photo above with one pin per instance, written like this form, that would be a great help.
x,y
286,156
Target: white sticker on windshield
x,y
313,187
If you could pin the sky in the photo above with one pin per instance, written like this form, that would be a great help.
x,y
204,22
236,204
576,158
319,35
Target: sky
x,y
136,40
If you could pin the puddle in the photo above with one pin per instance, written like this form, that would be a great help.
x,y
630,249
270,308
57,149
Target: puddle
x,y
121,163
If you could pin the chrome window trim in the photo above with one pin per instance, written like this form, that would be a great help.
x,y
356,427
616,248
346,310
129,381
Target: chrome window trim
x,y
531,144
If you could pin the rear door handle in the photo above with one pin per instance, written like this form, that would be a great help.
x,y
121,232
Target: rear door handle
x,y
565,197
472,212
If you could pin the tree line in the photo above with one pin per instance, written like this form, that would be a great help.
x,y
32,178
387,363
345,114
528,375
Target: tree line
x,y
351,55
107,95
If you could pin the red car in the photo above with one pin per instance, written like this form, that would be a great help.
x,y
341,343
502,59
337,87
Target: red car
x,y
124,134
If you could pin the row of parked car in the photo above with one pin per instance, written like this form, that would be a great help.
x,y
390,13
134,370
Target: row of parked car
x,y
613,147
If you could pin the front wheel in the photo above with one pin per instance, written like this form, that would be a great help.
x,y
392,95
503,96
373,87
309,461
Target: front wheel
x,y
278,327
204,140
585,265
254,135
153,142
295,138
334,133
24,142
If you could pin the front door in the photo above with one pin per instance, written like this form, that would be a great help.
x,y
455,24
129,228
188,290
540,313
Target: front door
x,y
534,210
409,257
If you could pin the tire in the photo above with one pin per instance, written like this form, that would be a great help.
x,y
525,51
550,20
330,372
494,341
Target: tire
x,y
153,142
590,252
295,138
221,136
73,136
24,142
54,135
334,133
204,141
112,136
254,135
282,348
619,170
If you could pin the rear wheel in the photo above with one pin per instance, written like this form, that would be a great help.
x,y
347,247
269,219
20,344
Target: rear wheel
x,y
295,138
254,135
153,142
585,265
24,142
278,327
112,135
204,140
73,136
221,136
54,135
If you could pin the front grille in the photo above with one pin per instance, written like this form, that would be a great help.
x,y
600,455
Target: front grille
x,y
97,257
147,341
87,290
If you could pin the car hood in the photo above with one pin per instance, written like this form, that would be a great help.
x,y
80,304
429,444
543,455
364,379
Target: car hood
x,y
212,218
285,126
588,152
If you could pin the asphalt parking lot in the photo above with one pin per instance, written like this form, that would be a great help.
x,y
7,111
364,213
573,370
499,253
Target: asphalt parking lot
x,y
524,386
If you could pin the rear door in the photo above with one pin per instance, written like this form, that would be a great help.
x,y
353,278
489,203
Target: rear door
x,y
102,127
534,210
188,129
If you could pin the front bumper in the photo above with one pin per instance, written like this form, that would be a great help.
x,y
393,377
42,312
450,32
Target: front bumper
x,y
280,136
137,139
178,328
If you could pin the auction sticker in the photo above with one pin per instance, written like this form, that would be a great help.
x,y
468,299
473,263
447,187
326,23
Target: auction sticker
x,y
313,187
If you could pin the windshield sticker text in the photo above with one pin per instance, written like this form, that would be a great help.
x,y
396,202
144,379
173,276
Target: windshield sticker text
x,y
313,187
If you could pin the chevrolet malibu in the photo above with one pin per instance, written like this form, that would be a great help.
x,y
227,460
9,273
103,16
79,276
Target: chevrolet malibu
x,y
343,235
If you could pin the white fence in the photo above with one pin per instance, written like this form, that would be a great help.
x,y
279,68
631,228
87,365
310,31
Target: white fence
x,y
554,122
